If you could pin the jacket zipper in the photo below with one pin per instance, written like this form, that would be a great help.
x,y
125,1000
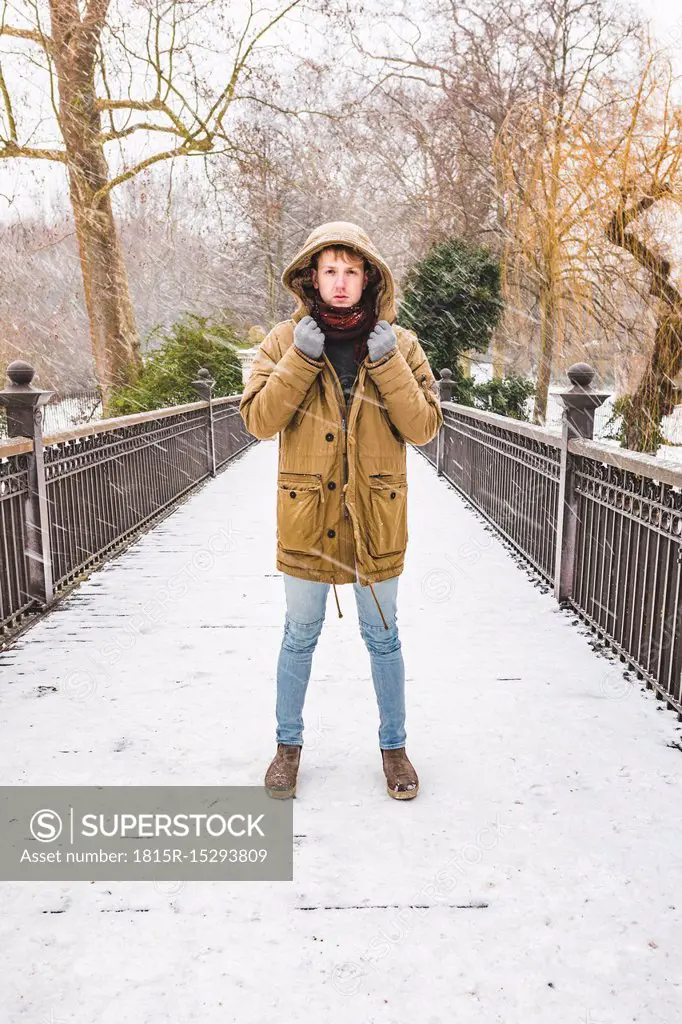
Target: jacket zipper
x,y
345,469
343,409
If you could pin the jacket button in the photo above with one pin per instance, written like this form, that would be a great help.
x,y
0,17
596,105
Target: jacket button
x,y
292,494
331,533
329,437
331,485
393,494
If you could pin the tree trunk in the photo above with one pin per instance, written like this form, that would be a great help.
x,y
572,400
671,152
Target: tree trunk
x,y
113,331
544,375
271,282
498,345
115,341
465,364
498,355
656,394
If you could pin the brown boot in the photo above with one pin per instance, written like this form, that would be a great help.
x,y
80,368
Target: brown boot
x,y
401,778
280,778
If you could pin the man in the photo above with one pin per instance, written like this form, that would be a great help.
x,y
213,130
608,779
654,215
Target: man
x,y
345,388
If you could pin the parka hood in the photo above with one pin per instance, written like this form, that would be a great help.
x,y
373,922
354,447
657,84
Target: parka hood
x,y
297,276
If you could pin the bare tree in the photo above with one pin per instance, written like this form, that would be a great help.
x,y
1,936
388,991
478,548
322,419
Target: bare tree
x,y
278,187
40,302
646,173
475,66
94,60
585,48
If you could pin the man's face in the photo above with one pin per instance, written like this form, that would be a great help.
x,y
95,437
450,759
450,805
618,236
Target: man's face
x,y
339,282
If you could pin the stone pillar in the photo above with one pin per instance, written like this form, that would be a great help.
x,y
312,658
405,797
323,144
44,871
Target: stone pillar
x,y
204,388
580,403
445,388
24,405
246,357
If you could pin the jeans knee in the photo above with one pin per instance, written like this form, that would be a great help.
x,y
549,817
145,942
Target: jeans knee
x,y
380,640
301,637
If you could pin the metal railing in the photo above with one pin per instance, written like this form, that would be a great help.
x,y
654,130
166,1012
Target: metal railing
x,y
15,598
627,578
510,471
602,525
70,500
63,411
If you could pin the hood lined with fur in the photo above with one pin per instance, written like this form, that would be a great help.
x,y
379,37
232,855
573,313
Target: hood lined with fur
x,y
297,276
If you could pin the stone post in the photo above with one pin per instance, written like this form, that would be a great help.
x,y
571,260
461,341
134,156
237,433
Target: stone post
x,y
204,388
446,387
580,403
24,405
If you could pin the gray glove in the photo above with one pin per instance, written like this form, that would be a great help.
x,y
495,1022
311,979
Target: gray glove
x,y
381,341
308,337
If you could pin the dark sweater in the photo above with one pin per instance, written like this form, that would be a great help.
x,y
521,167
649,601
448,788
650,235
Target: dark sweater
x,y
342,357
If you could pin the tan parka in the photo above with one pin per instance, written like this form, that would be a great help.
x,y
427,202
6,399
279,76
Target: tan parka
x,y
341,480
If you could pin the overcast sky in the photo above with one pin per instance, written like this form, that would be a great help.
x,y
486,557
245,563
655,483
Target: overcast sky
x,y
28,185
666,17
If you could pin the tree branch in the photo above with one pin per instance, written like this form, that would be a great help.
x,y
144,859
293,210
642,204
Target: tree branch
x,y
198,149
95,15
8,107
11,149
122,133
27,33
222,103
155,104
657,266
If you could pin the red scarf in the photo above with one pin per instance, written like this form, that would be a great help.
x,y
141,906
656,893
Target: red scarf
x,y
347,323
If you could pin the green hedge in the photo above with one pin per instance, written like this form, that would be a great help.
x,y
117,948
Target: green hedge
x,y
170,367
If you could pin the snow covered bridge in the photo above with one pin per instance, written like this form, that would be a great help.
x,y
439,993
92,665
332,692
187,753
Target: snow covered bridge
x,y
535,877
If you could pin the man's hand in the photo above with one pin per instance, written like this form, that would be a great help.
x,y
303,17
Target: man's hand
x,y
308,337
381,341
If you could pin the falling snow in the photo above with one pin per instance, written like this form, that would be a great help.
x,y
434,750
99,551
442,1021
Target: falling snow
x,y
534,879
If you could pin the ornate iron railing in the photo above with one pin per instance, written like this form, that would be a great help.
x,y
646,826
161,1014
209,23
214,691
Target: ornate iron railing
x,y
510,471
627,576
604,526
70,500
15,599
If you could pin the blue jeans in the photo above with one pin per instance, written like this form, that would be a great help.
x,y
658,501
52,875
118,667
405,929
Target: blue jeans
x,y
306,605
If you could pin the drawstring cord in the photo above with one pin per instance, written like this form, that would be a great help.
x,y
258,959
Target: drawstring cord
x,y
373,595
379,607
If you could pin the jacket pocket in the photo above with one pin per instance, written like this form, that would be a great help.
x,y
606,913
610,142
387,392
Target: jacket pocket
x,y
387,525
300,499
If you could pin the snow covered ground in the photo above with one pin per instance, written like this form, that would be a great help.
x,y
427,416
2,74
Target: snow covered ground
x,y
535,879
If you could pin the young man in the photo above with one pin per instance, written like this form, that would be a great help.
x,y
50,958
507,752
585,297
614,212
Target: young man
x,y
345,388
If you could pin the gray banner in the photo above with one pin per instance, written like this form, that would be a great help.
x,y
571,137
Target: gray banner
x,y
144,833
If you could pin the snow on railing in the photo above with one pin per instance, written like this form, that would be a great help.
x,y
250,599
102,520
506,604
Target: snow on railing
x,y
72,497
601,524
